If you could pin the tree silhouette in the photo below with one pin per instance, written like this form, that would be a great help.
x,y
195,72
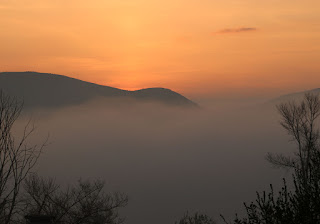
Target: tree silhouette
x,y
25,193
299,120
17,158
196,218
302,204
84,203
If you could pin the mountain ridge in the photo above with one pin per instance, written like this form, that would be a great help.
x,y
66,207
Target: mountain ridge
x,y
294,96
53,90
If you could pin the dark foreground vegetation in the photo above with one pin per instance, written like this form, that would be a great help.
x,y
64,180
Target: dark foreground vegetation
x,y
302,204
299,204
24,193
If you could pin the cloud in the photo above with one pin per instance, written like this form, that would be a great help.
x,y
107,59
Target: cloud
x,y
237,30
152,153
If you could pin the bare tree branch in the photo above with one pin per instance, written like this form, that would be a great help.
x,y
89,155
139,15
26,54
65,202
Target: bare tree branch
x,y
84,203
299,120
16,158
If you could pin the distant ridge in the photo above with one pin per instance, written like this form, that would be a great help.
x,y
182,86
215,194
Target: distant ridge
x,y
51,90
294,96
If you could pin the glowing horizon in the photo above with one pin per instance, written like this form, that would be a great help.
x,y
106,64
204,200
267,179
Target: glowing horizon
x,y
198,49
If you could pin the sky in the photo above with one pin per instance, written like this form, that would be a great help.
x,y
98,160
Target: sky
x,y
200,48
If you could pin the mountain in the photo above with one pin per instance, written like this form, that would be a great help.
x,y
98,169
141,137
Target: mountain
x,y
294,96
51,90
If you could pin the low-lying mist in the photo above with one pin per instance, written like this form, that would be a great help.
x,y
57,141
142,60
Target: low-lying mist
x,y
168,160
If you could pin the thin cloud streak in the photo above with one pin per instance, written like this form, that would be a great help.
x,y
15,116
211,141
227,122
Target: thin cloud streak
x,y
237,30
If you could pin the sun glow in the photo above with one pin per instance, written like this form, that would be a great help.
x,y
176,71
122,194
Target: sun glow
x,y
208,47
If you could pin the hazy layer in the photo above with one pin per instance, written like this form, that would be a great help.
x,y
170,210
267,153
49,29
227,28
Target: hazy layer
x,y
167,160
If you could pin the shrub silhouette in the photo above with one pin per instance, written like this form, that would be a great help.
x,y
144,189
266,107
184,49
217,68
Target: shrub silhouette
x,y
302,204
196,218
83,203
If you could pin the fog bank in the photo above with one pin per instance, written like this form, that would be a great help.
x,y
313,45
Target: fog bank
x,y
168,160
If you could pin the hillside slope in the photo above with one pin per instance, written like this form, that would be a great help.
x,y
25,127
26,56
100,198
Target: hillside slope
x,y
50,90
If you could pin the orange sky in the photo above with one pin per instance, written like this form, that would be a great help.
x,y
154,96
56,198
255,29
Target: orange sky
x,y
196,47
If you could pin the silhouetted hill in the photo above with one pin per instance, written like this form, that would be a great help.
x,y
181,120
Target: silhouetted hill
x,y
50,90
294,96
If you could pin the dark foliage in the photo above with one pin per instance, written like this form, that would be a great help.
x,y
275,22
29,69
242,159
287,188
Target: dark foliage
x,y
302,204
195,219
84,203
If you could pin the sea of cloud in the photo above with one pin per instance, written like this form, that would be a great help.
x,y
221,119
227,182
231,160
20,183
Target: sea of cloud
x,y
168,160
